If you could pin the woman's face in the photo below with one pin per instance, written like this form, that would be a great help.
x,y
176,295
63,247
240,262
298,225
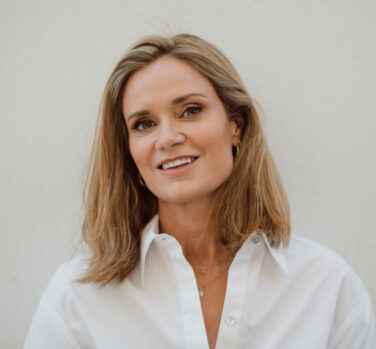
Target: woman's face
x,y
179,134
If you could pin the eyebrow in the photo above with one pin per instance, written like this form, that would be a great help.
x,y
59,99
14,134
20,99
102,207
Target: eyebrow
x,y
175,101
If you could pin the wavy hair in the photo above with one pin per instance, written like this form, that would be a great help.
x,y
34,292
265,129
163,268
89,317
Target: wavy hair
x,y
117,207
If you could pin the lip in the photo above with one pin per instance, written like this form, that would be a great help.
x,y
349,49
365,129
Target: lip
x,y
181,170
177,171
176,158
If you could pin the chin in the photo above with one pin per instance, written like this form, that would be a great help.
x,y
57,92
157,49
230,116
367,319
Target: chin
x,y
182,196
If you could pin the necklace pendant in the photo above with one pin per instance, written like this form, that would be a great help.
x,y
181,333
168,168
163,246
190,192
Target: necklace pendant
x,y
203,271
201,292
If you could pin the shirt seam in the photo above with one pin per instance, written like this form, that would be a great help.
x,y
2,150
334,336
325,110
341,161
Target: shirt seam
x,y
67,330
345,325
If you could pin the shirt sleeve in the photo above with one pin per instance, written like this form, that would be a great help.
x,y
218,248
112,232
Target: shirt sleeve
x,y
358,329
47,330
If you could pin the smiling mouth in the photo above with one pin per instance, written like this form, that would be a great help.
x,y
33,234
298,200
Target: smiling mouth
x,y
178,163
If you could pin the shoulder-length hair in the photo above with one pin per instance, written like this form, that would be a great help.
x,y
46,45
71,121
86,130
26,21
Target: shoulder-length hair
x,y
117,207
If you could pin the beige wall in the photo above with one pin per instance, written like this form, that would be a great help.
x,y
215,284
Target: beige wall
x,y
310,65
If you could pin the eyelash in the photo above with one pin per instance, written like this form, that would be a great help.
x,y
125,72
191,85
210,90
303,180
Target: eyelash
x,y
196,108
138,123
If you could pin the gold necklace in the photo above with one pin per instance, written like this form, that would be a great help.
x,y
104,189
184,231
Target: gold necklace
x,y
201,288
205,269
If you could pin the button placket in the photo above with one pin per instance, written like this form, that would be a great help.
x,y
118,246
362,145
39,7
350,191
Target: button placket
x,y
240,283
193,320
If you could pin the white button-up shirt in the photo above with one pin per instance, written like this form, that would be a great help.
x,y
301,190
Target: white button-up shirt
x,y
304,296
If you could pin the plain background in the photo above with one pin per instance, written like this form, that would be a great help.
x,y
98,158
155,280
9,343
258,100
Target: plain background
x,y
309,64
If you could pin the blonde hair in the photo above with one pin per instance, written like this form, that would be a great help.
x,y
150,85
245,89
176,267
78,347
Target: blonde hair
x,y
117,207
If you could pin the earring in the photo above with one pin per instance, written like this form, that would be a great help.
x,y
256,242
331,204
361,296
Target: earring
x,y
141,180
235,151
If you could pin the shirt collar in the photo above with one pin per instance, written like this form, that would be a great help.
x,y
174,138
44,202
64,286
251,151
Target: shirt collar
x,y
151,230
277,253
147,236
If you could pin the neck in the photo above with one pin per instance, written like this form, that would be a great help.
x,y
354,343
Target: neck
x,y
188,223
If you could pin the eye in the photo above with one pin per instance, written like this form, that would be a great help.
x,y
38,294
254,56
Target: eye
x,y
192,111
142,125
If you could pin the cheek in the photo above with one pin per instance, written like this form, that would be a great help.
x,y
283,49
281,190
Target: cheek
x,y
218,144
218,140
139,152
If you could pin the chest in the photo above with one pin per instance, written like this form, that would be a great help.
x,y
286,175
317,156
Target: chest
x,y
212,298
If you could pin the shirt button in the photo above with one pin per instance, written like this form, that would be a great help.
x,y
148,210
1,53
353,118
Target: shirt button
x,y
231,320
256,239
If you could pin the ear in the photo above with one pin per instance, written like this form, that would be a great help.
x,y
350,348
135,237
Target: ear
x,y
237,124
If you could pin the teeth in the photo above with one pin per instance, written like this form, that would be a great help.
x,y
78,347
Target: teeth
x,y
177,163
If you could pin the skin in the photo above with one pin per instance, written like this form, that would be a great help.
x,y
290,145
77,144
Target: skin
x,y
197,126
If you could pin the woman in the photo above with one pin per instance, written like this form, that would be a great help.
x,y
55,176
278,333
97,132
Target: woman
x,y
187,225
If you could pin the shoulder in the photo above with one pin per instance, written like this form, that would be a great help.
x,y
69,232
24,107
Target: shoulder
x,y
63,281
335,284
71,269
49,327
299,244
325,270
305,253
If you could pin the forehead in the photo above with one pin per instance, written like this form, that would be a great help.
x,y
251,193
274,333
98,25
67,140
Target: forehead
x,y
162,81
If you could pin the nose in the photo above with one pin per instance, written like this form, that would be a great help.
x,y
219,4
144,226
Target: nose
x,y
169,136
